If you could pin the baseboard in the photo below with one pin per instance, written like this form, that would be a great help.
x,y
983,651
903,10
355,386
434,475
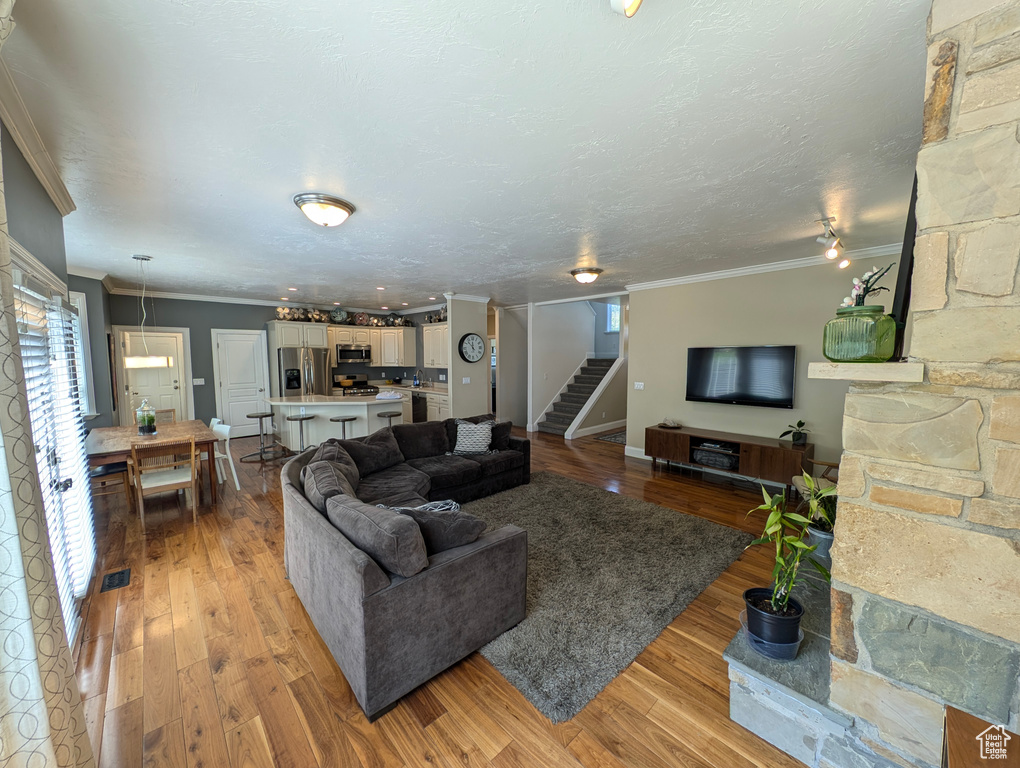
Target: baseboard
x,y
598,428
636,453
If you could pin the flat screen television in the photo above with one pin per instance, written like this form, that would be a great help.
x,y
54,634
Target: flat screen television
x,y
761,376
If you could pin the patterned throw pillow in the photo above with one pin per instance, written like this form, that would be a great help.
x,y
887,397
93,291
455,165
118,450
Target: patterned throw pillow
x,y
473,439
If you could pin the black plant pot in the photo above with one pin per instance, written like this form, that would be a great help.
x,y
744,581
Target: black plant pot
x,y
781,630
800,438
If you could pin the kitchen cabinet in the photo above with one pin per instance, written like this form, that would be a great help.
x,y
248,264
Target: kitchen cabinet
x,y
398,347
437,406
289,334
348,334
316,335
375,340
436,345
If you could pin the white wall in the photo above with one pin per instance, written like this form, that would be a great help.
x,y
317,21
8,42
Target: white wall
x,y
473,398
512,365
562,336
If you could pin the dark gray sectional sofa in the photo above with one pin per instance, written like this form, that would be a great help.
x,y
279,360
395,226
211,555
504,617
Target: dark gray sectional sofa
x,y
388,632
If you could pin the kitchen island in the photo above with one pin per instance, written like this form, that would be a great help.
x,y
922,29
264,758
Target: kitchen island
x,y
364,408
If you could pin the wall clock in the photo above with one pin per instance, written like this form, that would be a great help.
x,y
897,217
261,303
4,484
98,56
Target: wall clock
x,y
471,347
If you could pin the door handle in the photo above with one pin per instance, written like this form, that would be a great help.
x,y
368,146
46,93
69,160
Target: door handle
x,y
63,486
262,389
176,387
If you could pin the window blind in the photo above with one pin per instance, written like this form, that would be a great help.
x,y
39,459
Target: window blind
x,y
48,350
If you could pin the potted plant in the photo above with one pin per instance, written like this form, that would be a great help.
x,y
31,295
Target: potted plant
x,y
797,433
821,504
773,615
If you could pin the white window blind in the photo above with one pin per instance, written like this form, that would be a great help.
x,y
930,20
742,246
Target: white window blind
x,y
50,357
83,353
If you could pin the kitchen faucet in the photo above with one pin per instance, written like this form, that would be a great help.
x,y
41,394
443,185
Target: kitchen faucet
x,y
419,378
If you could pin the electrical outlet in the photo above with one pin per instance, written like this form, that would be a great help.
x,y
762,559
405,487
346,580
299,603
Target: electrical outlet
x,y
466,380
442,377
383,374
603,414
639,385
302,410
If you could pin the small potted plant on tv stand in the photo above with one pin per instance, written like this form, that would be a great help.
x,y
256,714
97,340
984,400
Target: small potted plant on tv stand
x,y
773,615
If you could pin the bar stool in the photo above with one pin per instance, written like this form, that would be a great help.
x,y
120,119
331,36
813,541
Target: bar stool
x,y
301,419
264,453
389,416
342,421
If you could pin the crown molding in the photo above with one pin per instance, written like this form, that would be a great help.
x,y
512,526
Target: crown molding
x,y
91,274
892,249
582,298
19,123
466,297
24,259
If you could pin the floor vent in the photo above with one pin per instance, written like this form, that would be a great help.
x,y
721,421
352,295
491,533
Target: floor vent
x,y
116,580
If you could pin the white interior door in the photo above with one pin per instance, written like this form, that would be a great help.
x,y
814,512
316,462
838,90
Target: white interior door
x,y
242,378
162,387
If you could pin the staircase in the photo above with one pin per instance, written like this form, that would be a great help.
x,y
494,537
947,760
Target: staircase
x,y
573,398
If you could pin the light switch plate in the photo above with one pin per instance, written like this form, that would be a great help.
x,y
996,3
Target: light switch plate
x,y
466,380
442,377
639,385
198,382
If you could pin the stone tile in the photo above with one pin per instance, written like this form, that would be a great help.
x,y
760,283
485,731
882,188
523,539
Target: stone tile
x,y
994,513
986,259
993,26
927,429
956,375
996,54
843,644
904,719
938,90
957,666
933,481
851,477
966,576
807,675
789,734
925,503
1006,480
843,752
967,335
949,13
989,98
970,178
1005,419
931,266
888,754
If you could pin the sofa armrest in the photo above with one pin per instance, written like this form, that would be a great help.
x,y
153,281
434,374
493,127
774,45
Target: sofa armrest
x,y
523,445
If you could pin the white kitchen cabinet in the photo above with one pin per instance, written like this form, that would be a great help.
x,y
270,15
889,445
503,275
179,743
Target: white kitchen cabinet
x,y
290,334
362,336
398,347
432,410
436,345
438,406
316,335
375,340
340,334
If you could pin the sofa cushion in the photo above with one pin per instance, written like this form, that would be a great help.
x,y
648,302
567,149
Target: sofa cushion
x,y
473,438
398,500
501,435
417,441
330,450
322,479
444,525
398,479
448,471
451,426
499,461
391,539
374,453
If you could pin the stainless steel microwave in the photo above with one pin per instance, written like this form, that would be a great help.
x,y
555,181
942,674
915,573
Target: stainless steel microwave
x,y
353,353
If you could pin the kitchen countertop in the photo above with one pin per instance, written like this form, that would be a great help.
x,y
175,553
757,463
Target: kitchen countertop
x,y
440,389
329,400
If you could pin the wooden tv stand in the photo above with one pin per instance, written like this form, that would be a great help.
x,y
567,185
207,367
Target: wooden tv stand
x,y
763,458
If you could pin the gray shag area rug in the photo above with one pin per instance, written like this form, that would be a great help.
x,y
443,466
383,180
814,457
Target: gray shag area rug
x,y
620,438
606,574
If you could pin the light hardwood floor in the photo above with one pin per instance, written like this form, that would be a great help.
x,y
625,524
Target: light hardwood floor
x,y
209,659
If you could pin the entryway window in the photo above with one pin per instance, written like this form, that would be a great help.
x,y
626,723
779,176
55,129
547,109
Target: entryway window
x,y
52,355
83,361
613,319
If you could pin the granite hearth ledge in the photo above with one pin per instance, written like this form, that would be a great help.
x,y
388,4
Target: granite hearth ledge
x,y
878,372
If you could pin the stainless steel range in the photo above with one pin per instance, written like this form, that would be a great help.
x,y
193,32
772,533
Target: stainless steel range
x,y
353,384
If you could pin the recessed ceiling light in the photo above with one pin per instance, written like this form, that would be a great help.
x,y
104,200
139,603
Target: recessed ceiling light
x,y
586,274
324,210
383,307
403,303
627,7
292,289
380,288
432,298
285,298
336,303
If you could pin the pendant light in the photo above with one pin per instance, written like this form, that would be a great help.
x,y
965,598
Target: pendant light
x,y
324,210
146,360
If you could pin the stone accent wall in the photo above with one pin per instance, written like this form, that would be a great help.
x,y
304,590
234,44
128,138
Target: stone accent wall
x,y
926,560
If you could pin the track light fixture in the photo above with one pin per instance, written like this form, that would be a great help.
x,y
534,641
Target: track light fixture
x,y
833,247
625,7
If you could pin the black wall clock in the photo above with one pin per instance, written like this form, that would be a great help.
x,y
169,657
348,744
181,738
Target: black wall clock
x,y
471,347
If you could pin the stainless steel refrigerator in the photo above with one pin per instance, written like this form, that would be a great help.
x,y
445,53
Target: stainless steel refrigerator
x,y
304,371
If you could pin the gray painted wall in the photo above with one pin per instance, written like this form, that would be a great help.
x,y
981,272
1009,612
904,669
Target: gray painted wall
x,y
606,344
200,317
32,218
97,299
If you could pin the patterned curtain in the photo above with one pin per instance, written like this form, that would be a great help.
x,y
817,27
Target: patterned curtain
x,y
42,722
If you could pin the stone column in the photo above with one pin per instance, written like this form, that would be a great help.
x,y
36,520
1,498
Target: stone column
x,y
926,561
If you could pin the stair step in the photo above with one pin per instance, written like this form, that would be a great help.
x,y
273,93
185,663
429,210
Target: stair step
x,y
590,380
599,373
601,362
580,389
563,407
574,397
559,418
552,429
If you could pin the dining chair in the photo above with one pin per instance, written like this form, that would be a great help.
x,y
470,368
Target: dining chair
x,y
222,431
110,480
165,465
163,416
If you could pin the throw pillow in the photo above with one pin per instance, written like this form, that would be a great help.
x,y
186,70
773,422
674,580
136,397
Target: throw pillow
x,y
322,480
391,539
443,525
418,441
330,450
451,426
501,436
374,453
473,439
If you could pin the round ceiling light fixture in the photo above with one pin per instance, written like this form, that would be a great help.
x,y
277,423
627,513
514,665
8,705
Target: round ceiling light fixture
x,y
324,210
586,274
626,7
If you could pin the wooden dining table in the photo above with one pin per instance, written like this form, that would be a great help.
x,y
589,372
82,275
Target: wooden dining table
x,y
109,445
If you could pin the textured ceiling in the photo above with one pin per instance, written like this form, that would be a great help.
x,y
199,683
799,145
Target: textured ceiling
x,y
489,147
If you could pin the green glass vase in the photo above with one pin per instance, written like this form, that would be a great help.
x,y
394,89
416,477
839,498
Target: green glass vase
x,y
859,335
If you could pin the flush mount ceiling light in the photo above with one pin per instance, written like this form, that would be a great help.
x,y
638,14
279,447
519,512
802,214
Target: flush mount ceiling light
x,y
324,210
625,7
586,274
